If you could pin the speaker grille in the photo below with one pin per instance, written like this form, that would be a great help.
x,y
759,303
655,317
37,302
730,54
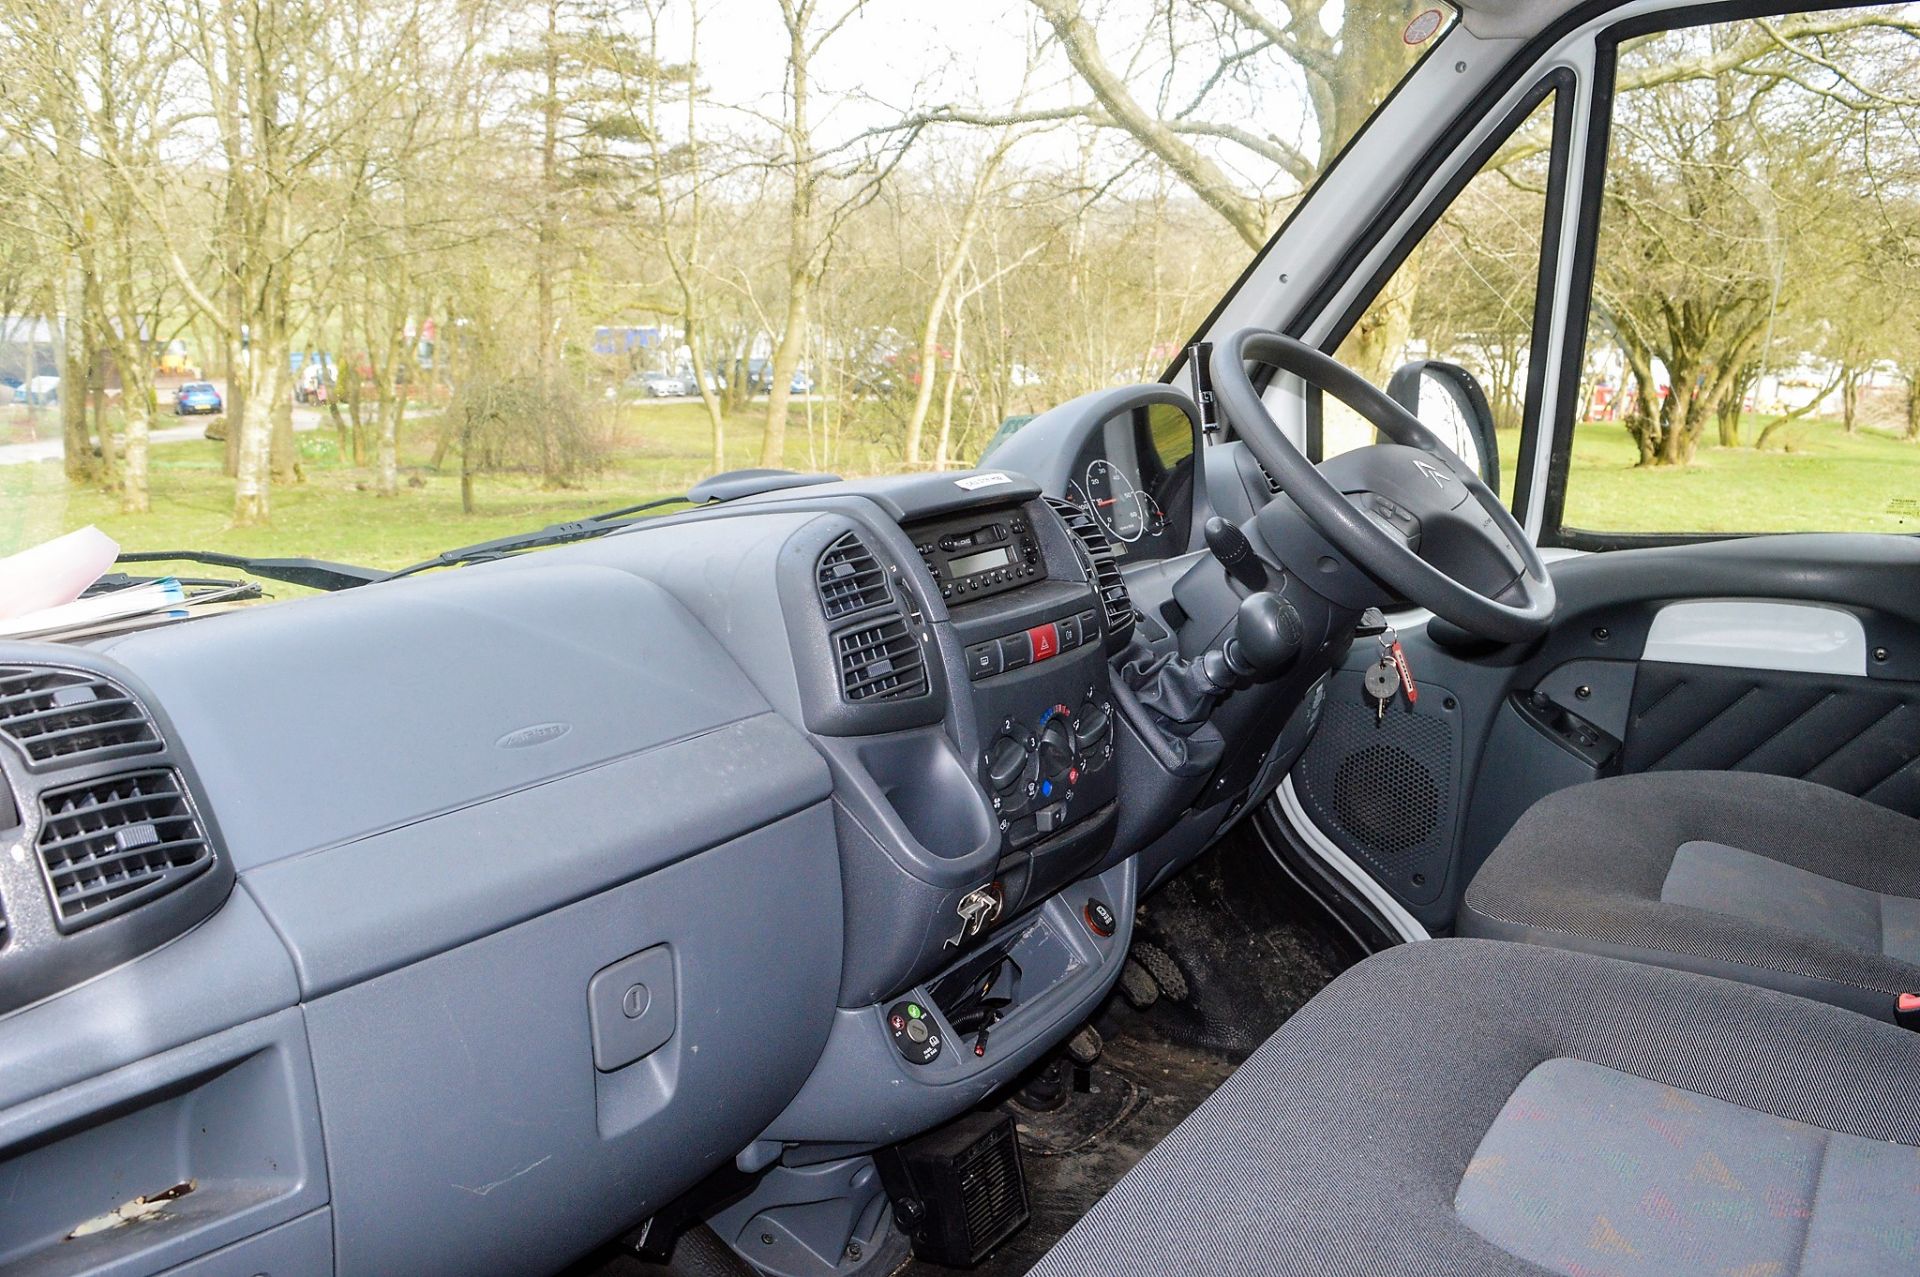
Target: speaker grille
x,y
1386,798
1383,789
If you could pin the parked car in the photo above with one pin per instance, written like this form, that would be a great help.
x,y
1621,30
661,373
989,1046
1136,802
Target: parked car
x,y
760,378
197,398
715,381
39,391
657,385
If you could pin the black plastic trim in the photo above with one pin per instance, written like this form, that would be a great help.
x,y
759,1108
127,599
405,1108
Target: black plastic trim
x,y
43,953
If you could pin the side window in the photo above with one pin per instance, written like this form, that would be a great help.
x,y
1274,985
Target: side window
x,y
1753,340
1464,295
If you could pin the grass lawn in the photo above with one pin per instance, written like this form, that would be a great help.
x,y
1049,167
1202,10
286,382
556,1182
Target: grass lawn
x,y
1869,481
1828,481
660,450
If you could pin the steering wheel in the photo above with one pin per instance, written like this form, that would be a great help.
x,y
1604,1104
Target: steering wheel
x,y
1410,513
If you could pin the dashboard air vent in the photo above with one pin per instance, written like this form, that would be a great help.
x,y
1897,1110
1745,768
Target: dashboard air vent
x,y
881,662
851,579
1099,555
69,716
114,843
1273,484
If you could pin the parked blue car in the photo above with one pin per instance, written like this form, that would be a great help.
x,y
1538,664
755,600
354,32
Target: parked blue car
x,y
196,398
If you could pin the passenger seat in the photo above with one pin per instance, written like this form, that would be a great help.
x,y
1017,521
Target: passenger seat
x,y
1467,1107
1760,878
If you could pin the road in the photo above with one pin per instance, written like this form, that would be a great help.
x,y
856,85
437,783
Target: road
x,y
50,447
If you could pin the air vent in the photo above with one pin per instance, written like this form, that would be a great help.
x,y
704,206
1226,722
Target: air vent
x,y
70,717
851,579
111,844
881,662
1273,484
1098,555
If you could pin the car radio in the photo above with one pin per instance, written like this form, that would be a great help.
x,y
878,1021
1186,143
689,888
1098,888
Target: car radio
x,y
972,559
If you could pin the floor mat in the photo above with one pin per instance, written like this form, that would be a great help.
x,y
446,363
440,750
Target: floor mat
x,y
1250,956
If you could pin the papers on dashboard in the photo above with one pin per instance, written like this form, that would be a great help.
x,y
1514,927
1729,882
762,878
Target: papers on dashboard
x,y
135,607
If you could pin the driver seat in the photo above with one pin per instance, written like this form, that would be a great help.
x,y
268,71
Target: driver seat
x,y
1763,879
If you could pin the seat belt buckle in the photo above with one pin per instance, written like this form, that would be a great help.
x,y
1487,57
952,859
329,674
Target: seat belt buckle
x,y
1906,1011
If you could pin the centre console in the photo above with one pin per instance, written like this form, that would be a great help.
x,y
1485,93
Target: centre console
x,y
1032,630
955,675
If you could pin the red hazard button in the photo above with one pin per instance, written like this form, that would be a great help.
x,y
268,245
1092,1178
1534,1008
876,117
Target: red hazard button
x,y
1045,640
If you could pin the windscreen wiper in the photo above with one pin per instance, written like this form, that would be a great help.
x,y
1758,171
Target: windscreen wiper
x,y
581,529
730,486
122,581
315,574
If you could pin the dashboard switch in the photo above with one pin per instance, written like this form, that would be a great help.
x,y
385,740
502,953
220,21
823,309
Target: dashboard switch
x,y
1100,919
1045,640
983,660
1015,652
914,1033
1069,633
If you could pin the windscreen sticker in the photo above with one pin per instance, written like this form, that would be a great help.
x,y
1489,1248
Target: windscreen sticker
x,y
988,480
1421,29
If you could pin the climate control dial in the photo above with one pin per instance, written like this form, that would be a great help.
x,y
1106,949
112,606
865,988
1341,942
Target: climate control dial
x,y
1093,733
1013,771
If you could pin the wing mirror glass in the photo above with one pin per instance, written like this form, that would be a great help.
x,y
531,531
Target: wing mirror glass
x,y
1449,402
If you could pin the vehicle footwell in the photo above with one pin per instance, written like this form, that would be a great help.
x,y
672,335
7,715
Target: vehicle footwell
x,y
1248,954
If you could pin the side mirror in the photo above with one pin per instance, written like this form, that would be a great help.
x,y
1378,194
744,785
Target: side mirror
x,y
1449,402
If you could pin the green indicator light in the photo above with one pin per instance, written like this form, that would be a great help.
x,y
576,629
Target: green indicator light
x,y
913,1009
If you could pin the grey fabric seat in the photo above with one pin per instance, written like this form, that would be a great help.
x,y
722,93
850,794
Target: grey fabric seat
x,y
1759,878
1473,1107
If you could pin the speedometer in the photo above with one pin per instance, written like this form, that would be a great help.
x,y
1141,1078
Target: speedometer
x,y
1115,501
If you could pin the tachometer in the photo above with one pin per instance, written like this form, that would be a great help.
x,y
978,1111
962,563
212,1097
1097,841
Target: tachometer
x,y
1156,518
1115,501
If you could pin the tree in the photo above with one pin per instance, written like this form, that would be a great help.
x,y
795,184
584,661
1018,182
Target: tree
x,y
678,179
1734,191
823,192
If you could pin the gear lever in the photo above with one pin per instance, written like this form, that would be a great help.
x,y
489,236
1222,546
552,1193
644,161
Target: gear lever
x,y
1263,643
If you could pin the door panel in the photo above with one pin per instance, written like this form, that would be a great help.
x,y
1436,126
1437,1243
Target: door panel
x,y
1585,703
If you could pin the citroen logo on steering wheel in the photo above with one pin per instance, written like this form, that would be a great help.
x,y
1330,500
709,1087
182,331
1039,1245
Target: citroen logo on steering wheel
x,y
1437,475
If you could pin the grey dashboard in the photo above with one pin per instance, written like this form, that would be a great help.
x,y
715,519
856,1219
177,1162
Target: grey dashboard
x,y
529,894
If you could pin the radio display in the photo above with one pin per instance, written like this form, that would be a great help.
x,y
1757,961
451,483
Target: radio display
x,y
984,561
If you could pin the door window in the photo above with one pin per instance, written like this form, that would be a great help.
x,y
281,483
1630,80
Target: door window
x,y
1752,355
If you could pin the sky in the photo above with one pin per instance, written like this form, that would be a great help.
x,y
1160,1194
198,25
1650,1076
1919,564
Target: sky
x,y
897,55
